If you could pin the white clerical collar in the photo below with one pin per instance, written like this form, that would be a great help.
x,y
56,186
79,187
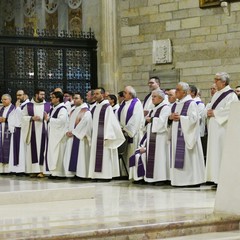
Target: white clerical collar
x,y
38,103
7,107
186,98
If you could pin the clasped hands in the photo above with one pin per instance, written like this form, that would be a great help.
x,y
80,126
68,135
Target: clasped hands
x,y
175,117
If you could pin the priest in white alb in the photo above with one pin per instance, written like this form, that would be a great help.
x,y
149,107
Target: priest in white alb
x,y
187,161
217,113
18,149
154,84
77,154
6,113
57,121
131,118
157,144
34,133
151,159
107,136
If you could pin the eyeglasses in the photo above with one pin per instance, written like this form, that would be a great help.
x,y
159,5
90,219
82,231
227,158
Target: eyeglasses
x,y
216,79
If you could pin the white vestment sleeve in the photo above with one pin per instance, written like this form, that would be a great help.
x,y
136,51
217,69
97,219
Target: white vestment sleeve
x,y
159,124
134,123
221,114
84,128
113,136
26,125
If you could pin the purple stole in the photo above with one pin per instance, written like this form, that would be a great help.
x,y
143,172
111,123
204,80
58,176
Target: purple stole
x,y
132,159
197,102
5,143
16,142
145,99
129,113
180,148
220,98
93,110
100,138
152,146
30,108
16,145
76,142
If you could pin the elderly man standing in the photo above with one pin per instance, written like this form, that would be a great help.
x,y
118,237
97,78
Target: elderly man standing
x,y
157,167
106,138
5,135
187,164
131,118
217,113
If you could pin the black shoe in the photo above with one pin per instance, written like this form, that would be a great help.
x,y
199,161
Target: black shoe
x,y
140,182
21,174
94,180
104,180
160,183
61,178
52,177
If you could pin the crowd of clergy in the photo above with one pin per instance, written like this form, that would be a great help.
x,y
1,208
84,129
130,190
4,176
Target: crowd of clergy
x,y
161,140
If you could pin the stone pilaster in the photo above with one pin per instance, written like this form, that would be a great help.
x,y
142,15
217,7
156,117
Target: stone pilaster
x,y
109,67
19,15
62,16
40,14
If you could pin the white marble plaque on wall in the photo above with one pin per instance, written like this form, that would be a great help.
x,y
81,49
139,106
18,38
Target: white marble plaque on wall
x,y
162,51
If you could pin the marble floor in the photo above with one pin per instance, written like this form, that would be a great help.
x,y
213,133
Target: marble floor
x,y
112,210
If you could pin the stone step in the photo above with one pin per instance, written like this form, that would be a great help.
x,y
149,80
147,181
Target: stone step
x,y
110,227
230,235
43,191
47,195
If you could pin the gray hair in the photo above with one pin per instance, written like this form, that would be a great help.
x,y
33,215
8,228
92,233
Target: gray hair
x,y
224,77
159,93
184,85
8,96
132,91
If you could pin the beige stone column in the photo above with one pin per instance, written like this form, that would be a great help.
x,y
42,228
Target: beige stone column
x,y
228,191
109,62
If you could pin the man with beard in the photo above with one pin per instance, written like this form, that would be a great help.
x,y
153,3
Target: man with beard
x,y
34,133
57,121
17,152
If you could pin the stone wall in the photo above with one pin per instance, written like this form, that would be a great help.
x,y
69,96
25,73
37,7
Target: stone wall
x,y
205,41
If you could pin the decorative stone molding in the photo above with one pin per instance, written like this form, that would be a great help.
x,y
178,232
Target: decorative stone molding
x,y
51,6
29,8
74,4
